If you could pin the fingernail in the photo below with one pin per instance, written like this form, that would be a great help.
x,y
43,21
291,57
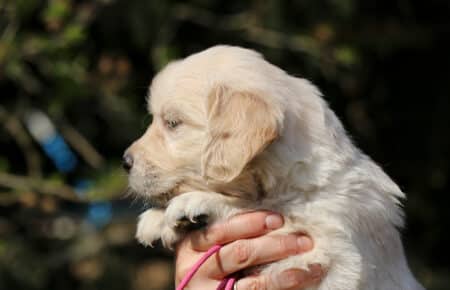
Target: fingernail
x,y
304,243
291,278
274,221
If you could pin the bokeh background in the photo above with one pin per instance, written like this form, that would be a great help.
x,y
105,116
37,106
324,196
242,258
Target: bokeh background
x,y
73,81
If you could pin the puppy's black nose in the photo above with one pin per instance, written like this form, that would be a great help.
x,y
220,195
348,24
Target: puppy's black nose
x,y
127,162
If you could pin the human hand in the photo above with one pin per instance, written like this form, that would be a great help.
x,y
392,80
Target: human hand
x,y
245,245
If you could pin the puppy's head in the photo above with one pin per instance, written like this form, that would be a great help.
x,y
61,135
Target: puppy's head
x,y
213,114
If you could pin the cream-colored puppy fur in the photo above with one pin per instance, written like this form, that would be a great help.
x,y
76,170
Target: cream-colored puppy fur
x,y
233,133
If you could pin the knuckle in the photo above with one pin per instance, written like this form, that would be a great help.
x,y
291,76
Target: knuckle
x,y
287,244
291,278
256,284
215,234
241,252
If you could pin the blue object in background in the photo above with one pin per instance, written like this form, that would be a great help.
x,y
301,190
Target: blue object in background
x,y
81,186
99,213
44,131
57,150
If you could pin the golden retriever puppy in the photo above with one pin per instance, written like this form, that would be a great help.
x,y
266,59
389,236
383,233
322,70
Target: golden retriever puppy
x,y
232,133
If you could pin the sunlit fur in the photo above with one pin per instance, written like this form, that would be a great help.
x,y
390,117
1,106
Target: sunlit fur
x,y
253,137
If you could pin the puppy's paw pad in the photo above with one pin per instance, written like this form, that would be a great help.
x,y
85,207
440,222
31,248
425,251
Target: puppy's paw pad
x,y
190,224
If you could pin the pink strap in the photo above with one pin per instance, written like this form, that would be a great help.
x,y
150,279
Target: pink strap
x,y
227,282
230,283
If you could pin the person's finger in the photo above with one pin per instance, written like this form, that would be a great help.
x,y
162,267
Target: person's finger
x,y
287,280
238,227
244,253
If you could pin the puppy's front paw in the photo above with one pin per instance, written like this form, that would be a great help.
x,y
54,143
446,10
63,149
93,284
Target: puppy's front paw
x,y
190,211
149,226
193,208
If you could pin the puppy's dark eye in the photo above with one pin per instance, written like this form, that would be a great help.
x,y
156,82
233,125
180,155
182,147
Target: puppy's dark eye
x,y
172,124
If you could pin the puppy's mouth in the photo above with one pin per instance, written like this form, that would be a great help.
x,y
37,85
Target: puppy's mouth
x,y
152,189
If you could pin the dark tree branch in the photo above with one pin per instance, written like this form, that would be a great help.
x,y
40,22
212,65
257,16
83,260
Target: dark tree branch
x,y
14,127
82,146
25,183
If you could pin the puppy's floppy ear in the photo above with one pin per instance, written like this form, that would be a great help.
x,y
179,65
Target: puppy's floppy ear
x,y
240,125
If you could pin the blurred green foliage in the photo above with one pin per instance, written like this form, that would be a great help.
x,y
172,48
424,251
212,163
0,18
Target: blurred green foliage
x,y
382,65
